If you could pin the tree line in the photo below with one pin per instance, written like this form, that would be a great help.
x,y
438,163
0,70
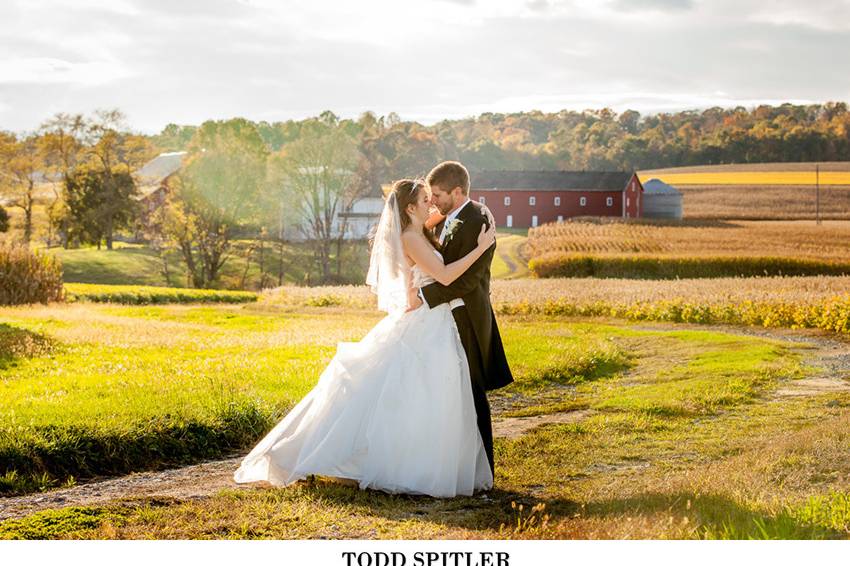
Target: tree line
x,y
588,140
245,177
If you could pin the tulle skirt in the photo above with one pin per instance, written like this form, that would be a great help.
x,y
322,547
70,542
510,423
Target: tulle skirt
x,y
393,412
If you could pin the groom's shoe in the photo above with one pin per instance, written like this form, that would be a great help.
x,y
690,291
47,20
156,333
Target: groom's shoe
x,y
348,482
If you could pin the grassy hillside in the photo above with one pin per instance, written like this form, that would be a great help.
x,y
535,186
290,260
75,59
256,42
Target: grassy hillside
x,y
136,264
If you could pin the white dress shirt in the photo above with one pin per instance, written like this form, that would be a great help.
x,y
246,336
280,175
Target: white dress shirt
x,y
454,303
451,216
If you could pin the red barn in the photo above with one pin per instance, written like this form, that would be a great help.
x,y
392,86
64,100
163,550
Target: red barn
x,y
524,199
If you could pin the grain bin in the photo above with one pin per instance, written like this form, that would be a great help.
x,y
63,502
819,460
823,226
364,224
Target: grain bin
x,y
661,200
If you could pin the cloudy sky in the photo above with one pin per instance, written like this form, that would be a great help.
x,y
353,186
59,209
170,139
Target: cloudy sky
x,y
185,61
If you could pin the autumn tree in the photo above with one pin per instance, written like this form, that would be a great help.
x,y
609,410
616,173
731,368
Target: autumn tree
x,y
98,153
115,153
319,176
217,191
61,141
98,203
21,168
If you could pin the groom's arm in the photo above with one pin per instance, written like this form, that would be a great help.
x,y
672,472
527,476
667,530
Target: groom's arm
x,y
436,294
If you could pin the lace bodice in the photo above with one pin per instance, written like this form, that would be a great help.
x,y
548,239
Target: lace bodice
x,y
420,278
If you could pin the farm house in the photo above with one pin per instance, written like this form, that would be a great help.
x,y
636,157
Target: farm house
x,y
661,200
525,199
153,179
154,176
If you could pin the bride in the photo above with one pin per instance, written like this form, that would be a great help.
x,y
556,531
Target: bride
x,y
394,411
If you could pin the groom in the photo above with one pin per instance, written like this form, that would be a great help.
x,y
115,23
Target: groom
x,y
469,294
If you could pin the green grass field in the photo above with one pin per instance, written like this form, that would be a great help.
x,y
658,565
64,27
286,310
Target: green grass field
x,y
116,385
136,264
685,435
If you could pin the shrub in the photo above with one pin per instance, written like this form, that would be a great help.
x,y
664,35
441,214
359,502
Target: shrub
x,y
28,276
670,267
4,220
149,295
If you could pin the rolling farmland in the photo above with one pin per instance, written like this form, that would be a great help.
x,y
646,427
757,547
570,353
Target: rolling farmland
x,y
761,190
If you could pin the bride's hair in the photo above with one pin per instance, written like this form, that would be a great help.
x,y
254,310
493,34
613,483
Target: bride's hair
x,y
406,192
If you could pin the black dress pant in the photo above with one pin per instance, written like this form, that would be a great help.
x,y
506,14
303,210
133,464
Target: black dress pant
x,y
476,372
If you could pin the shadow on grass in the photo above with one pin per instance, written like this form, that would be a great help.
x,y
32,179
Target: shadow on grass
x,y
19,343
496,509
51,455
533,382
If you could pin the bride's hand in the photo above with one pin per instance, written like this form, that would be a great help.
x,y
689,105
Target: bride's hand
x,y
487,235
434,217
415,304
490,219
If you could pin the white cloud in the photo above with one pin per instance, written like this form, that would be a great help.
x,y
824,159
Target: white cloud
x,y
827,15
189,60
46,70
652,5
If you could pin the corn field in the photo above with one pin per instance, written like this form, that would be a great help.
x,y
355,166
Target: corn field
x,y
789,239
792,302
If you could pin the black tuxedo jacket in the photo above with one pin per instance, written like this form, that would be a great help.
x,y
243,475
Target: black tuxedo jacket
x,y
473,287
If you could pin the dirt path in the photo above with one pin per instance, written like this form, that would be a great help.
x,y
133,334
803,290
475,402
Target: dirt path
x,y
509,251
201,480
829,352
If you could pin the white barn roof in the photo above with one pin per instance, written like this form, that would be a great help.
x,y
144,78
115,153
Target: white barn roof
x,y
160,167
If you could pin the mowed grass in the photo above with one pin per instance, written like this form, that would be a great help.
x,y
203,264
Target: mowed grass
x,y
127,388
125,264
137,264
684,435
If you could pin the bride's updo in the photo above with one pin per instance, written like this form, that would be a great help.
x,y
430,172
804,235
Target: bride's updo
x,y
406,192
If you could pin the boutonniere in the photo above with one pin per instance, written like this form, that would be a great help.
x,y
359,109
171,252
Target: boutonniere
x,y
452,227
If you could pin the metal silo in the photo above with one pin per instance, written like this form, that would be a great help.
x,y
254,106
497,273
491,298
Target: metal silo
x,y
661,200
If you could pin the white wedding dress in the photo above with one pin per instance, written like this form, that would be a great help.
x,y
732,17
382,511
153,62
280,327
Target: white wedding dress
x,y
393,412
